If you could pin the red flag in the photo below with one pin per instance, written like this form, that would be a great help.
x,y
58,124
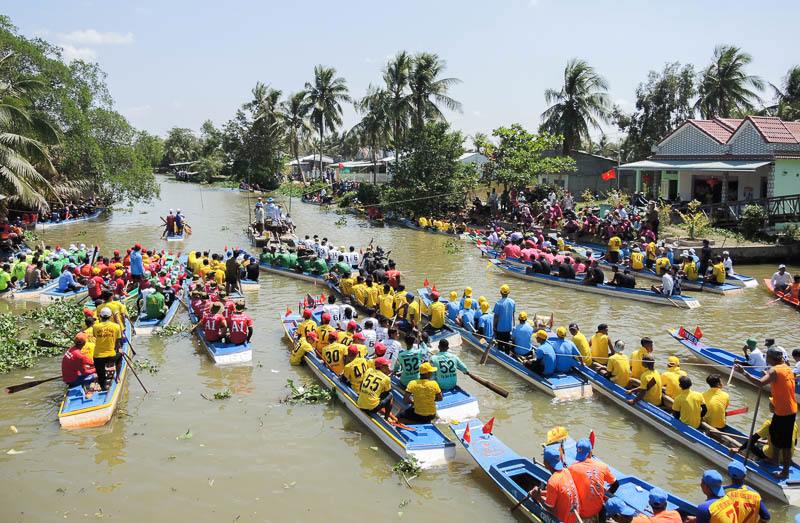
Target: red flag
x,y
434,288
591,438
681,332
487,429
288,312
426,283
322,298
608,175
467,437
305,301
478,242
698,333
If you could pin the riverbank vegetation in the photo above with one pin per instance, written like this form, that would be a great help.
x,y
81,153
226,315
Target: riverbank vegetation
x,y
63,139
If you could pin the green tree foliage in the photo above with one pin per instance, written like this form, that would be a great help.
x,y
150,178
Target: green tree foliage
x,y
324,98
787,96
374,128
294,113
428,91
520,157
725,89
663,103
430,179
181,145
150,148
581,102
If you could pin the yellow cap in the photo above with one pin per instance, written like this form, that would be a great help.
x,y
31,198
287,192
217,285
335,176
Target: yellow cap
x,y
484,306
541,335
453,295
468,291
673,361
467,303
426,368
523,316
556,434
481,299
118,273
95,271
505,289
561,332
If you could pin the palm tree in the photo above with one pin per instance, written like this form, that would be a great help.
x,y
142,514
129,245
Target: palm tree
x,y
373,129
24,137
428,90
396,76
724,88
324,99
582,102
788,96
294,113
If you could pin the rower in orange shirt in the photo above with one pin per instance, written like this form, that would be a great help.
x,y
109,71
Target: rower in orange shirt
x,y
561,495
591,476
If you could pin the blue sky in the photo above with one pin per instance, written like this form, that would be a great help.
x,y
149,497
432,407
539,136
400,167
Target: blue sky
x,y
177,63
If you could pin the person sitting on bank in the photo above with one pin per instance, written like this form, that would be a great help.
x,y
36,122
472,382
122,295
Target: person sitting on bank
x,y
76,367
422,395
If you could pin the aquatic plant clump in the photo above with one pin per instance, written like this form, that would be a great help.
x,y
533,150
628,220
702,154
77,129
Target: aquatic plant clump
x,y
307,393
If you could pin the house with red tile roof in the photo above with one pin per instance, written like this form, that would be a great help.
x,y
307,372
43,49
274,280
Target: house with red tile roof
x,y
723,160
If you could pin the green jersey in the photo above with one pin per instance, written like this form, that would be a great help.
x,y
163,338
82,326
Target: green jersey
x,y
154,305
447,366
18,270
407,364
5,280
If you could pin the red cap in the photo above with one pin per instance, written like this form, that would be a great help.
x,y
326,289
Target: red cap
x,y
312,335
380,349
352,325
326,317
381,362
116,252
352,350
307,313
359,336
333,335
435,295
88,312
138,246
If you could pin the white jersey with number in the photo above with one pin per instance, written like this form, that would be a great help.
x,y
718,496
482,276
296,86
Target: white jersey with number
x,y
381,333
344,317
335,311
373,320
393,348
371,338
354,259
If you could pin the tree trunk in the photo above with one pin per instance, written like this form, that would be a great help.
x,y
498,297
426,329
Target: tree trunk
x,y
321,134
296,147
374,165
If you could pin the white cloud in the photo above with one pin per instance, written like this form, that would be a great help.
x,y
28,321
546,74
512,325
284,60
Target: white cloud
x,y
78,53
94,37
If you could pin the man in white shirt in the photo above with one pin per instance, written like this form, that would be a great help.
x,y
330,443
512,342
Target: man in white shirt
x,y
370,337
334,310
347,313
755,358
727,262
667,284
393,346
353,258
382,330
781,279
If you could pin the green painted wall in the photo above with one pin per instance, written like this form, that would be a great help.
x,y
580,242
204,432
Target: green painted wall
x,y
787,177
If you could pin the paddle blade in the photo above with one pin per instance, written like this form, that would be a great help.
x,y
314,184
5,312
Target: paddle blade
x,y
734,412
22,386
44,343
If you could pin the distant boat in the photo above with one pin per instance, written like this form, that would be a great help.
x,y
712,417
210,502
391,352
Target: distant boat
x,y
91,216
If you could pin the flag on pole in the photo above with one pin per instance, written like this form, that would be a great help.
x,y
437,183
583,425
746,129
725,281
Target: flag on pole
x,y
288,312
487,428
322,298
467,436
434,288
681,332
698,333
426,283
591,438
608,175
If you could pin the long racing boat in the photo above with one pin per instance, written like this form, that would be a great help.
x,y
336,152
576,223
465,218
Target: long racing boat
x,y
91,216
221,353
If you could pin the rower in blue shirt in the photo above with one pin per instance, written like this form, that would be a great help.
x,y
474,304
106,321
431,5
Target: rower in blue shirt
x,y
504,310
466,316
545,363
468,296
565,350
521,336
486,322
453,306
66,282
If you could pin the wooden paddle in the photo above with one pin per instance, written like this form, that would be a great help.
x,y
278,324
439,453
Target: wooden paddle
x,y
734,412
523,500
489,385
130,365
485,355
30,384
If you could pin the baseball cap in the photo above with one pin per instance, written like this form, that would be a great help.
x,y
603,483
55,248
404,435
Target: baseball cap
x,y
105,312
381,362
523,316
312,335
561,332
81,337
781,266
736,470
673,361
352,350
553,458
426,368
582,449
713,480
352,325
505,289
657,498
326,317
468,291
435,295
541,335
617,507
333,335
380,349
453,295
359,336
307,313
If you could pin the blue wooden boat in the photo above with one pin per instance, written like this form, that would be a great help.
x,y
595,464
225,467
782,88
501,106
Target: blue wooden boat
x,y
24,293
92,216
54,294
642,295
425,442
176,237
249,285
221,353
515,475
561,385
79,412
712,447
456,404
408,224
146,326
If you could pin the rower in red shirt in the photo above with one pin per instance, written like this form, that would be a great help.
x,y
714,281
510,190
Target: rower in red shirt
x,y
215,326
95,286
240,326
230,308
76,367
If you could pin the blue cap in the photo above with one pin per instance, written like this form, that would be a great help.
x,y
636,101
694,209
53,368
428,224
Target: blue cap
x,y
736,469
713,480
552,457
657,498
582,449
616,506
409,295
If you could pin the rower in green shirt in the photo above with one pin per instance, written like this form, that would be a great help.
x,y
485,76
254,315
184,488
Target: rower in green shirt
x,y
5,278
154,304
19,268
447,366
408,361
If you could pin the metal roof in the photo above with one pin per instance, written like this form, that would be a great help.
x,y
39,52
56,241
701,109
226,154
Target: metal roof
x,y
695,165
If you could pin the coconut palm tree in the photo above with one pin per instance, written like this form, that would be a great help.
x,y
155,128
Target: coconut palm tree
x,y
582,102
294,112
25,160
725,89
788,96
374,128
324,98
428,90
396,76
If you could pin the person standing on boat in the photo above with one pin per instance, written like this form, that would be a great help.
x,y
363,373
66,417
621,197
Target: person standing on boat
x,y
561,495
108,341
650,383
137,265
521,336
486,322
705,257
717,402
170,224
749,505
636,358
180,222
718,506
689,406
591,477
503,312
447,365
422,395
466,316
375,392
781,280
614,247
618,366
780,378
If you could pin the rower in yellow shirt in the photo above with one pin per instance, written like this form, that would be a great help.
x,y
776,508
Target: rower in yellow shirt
x,y
689,406
689,267
650,252
422,394
386,303
580,341
671,376
333,354
718,271
618,366
650,388
325,331
301,348
637,259
614,246
600,344
371,294
346,284
376,389
638,354
412,311
307,325
88,347
360,291
717,402
438,312
662,262
355,369
423,221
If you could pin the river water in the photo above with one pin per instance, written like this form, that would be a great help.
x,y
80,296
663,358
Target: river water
x,y
253,458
